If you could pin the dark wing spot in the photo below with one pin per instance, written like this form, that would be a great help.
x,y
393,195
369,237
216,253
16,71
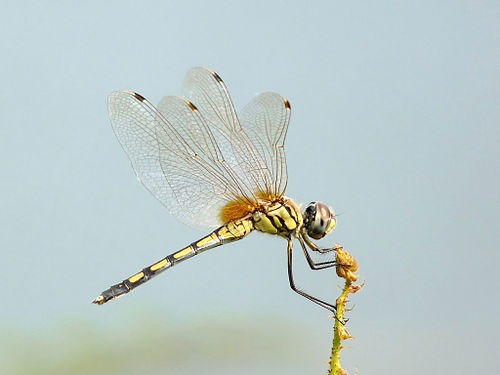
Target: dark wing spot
x,y
139,97
191,105
287,104
216,76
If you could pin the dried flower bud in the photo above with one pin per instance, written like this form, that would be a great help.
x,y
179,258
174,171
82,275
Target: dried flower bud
x,y
346,264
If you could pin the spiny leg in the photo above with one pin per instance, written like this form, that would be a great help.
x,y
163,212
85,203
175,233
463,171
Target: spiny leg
x,y
324,304
315,265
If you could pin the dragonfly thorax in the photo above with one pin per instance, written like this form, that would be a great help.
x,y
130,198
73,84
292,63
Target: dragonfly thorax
x,y
282,218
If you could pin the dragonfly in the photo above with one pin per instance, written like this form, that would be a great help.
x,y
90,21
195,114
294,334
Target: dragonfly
x,y
212,167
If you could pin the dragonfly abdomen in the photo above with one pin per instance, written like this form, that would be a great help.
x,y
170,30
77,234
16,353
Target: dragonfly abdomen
x,y
232,231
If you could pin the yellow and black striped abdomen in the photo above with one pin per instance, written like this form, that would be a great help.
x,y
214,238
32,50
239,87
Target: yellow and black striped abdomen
x,y
229,232
282,218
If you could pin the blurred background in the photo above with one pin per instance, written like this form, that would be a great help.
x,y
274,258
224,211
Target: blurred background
x,y
395,124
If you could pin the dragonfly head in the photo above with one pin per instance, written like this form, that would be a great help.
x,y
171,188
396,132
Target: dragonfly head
x,y
319,220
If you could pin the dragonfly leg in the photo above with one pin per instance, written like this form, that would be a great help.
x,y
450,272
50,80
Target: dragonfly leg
x,y
313,247
323,304
315,265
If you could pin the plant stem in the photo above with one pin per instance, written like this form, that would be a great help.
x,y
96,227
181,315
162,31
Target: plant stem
x,y
339,331
346,266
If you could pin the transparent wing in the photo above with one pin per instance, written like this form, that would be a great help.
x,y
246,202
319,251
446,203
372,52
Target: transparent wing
x,y
176,156
265,120
256,147
196,158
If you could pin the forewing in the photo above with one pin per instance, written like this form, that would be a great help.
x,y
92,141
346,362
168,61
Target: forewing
x,y
175,156
208,92
265,120
255,170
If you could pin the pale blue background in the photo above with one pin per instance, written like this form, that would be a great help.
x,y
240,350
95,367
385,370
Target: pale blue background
x,y
395,124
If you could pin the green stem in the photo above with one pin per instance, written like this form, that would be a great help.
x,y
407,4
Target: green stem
x,y
340,332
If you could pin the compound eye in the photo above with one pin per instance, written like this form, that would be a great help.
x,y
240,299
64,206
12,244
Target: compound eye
x,y
319,220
